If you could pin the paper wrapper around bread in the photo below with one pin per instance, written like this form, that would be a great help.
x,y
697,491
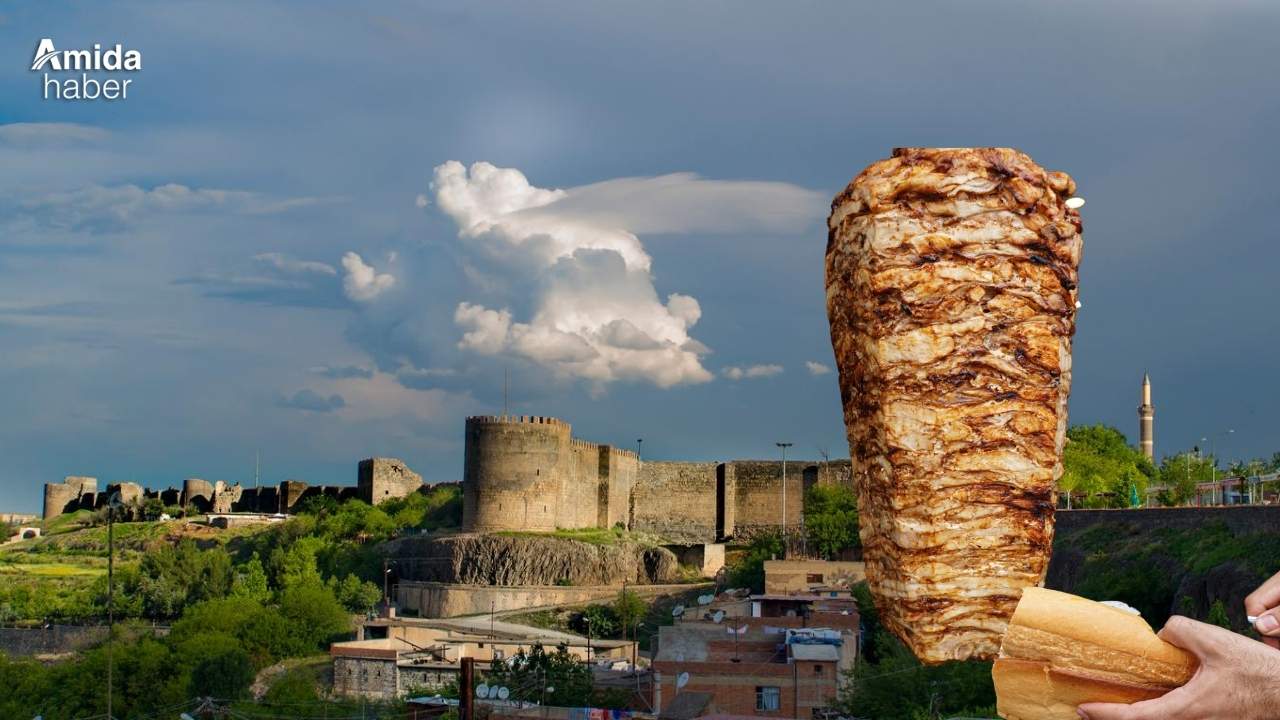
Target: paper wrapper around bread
x,y
1061,651
951,291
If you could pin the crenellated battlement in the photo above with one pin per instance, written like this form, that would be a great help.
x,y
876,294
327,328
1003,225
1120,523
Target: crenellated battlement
x,y
516,420
583,444
618,452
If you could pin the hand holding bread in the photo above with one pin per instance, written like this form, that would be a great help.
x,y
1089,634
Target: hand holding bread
x,y
1237,678
1061,650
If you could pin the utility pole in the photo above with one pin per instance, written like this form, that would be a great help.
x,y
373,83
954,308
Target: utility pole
x,y
467,689
112,503
386,594
784,446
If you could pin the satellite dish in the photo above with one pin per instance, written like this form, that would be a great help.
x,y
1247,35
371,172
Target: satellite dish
x,y
717,617
705,599
742,630
482,691
503,693
677,611
1075,203
681,680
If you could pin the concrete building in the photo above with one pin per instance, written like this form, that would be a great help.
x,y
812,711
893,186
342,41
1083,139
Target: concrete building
x,y
785,656
393,656
809,576
1146,421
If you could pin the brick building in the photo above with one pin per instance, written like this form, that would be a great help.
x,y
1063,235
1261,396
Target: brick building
x,y
769,656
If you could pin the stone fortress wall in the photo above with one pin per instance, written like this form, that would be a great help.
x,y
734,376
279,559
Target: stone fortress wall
x,y
528,473
377,479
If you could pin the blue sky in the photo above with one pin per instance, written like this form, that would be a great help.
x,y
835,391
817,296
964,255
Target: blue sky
x,y
279,242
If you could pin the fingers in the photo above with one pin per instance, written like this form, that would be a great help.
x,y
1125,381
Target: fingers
x,y
1156,709
1197,638
1107,711
1266,597
1177,704
1268,623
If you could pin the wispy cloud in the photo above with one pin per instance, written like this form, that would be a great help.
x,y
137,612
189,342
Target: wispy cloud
x,y
734,372
816,368
311,401
45,134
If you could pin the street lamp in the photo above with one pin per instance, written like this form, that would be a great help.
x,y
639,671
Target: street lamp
x,y
386,590
638,441
784,446
1213,459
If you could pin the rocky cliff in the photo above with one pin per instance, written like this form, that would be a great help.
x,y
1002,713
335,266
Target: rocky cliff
x,y
1205,559
496,559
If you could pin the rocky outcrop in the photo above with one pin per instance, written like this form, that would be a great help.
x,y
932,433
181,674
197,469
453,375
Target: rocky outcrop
x,y
485,559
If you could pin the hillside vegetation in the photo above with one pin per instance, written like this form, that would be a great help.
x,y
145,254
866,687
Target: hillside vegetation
x,y
238,601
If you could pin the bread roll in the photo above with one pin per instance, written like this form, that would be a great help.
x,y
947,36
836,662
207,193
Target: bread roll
x,y
1061,651
951,291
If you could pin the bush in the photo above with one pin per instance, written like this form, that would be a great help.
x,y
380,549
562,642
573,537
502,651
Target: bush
x,y
748,571
595,620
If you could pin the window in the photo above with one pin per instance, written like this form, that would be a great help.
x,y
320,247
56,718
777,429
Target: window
x,y
817,669
768,698
813,578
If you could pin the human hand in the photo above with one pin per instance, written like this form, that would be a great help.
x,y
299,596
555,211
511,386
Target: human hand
x,y
1265,604
1238,679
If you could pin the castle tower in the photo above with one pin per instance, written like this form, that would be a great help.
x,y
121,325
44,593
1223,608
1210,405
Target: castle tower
x,y
1146,421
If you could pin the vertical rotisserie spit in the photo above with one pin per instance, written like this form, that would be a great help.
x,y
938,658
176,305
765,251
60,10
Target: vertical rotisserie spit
x,y
951,291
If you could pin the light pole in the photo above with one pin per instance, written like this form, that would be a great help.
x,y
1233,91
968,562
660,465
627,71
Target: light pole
x,y
638,441
784,446
1213,467
386,589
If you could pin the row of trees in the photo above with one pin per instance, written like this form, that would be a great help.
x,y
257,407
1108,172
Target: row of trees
x,y
1101,469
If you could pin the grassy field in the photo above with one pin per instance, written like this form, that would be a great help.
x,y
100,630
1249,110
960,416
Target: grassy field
x,y
594,536
51,570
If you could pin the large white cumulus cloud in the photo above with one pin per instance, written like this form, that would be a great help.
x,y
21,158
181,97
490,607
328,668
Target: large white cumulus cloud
x,y
596,314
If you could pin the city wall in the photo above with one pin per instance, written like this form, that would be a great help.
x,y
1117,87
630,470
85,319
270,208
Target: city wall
x,y
441,600
682,501
377,479
1241,519
528,472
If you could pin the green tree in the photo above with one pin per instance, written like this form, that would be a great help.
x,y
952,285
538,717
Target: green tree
x,y
220,668
314,615
748,571
251,581
1182,472
357,596
1218,615
629,609
831,519
529,674
1099,463
595,620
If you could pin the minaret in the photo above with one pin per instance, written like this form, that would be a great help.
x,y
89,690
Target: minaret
x,y
1146,420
